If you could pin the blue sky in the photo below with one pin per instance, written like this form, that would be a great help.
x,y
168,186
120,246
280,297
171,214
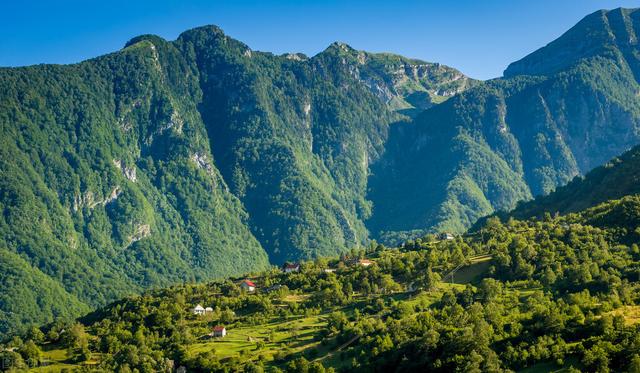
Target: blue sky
x,y
479,37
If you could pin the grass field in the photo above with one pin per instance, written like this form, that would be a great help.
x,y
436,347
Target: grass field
x,y
294,334
631,314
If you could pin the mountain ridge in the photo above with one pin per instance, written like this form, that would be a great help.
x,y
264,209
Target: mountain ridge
x,y
198,158
177,161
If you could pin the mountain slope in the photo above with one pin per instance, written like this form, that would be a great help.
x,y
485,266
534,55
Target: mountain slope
x,y
189,160
557,294
558,113
617,178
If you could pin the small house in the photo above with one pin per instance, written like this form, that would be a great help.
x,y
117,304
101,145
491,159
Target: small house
x,y
219,331
208,310
329,270
291,267
365,262
247,285
198,310
446,236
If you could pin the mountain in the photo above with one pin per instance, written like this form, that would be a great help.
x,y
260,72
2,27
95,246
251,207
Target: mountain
x,y
189,160
559,294
182,161
617,178
556,114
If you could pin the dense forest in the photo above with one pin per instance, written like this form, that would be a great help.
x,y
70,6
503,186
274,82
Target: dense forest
x,y
185,161
556,114
540,294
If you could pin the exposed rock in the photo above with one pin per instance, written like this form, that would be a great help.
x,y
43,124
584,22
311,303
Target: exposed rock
x,y
128,172
142,231
202,162
88,199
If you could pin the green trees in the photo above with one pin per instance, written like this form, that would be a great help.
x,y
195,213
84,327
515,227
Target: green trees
x,y
76,340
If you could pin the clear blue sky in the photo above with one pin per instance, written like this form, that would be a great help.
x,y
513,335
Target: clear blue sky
x,y
479,37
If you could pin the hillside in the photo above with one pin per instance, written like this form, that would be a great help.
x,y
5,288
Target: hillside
x,y
558,113
615,179
188,160
184,161
538,295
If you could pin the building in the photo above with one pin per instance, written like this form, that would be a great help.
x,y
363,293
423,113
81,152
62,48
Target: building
x,y
291,267
446,236
329,270
247,285
365,262
208,310
198,310
219,331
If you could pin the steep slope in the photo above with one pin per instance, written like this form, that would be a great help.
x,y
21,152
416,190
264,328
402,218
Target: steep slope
x,y
107,180
617,178
407,85
186,161
559,294
558,113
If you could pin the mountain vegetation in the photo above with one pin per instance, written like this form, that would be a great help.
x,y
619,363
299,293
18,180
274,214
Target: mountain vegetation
x,y
518,295
615,179
557,113
185,161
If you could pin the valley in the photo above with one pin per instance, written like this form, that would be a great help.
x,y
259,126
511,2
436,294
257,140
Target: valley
x,y
195,205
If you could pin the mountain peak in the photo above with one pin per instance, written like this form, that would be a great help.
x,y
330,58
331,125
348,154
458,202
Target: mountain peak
x,y
339,47
596,34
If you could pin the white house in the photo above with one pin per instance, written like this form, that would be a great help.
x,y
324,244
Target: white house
x,y
198,310
291,267
248,286
219,331
446,236
208,310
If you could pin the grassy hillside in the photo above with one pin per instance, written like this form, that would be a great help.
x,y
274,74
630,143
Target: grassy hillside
x,y
557,294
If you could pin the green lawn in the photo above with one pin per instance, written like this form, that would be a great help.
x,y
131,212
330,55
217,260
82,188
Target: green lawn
x,y
295,334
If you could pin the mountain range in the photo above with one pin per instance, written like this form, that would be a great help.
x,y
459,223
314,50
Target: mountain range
x,y
199,158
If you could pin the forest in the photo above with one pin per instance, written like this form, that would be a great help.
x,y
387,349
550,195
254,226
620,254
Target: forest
x,y
556,293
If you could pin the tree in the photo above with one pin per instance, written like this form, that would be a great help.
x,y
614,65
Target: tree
x,y
31,353
76,341
35,334
634,365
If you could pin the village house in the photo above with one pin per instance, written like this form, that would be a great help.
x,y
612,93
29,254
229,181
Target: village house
x,y
247,285
291,267
208,310
365,262
198,310
219,331
329,270
446,236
